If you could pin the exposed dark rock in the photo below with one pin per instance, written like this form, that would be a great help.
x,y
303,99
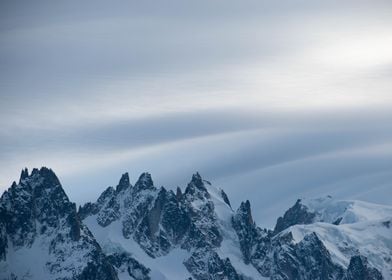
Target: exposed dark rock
x,y
110,213
278,257
106,196
3,239
225,198
148,233
296,215
315,260
179,194
144,183
387,224
337,222
87,210
174,219
246,229
24,174
308,260
204,230
39,208
196,189
125,262
75,224
136,208
123,184
100,269
206,264
360,269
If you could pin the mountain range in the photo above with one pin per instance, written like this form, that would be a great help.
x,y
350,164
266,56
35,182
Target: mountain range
x,y
140,231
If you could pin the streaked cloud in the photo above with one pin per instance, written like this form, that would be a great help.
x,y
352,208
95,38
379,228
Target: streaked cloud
x,y
272,100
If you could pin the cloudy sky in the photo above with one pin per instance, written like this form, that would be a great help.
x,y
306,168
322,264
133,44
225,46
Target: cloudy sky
x,y
270,100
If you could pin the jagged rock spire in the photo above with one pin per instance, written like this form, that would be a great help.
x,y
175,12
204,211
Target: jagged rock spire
x,y
178,194
298,214
144,182
50,178
245,212
246,229
38,209
196,188
47,174
23,175
225,198
123,183
40,197
197,180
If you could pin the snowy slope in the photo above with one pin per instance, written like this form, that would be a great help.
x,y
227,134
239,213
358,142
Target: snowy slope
x,y
330,210
111,240
66,261
230,247
363,228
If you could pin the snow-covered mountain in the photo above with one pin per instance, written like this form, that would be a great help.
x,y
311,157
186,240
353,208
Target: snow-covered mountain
x,y
190,231
346,228
143,232
42,236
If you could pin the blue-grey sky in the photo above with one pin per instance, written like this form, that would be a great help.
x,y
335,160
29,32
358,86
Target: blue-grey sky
x,y
270,100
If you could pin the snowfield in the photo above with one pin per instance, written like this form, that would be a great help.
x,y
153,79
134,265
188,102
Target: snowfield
x,y
364,228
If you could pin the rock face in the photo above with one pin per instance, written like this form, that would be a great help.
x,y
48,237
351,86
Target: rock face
x,y
296,215
143,232
126,264
206,264
278,255
249,235
160,221
200,221
360,269
39,225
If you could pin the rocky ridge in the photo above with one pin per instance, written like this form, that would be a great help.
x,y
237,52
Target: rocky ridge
x,y
42,234
143,232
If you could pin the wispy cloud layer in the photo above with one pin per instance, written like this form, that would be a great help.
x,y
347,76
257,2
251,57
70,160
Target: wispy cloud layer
x,y
272,100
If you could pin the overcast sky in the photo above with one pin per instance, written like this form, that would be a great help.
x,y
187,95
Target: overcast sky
x,y
270,100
